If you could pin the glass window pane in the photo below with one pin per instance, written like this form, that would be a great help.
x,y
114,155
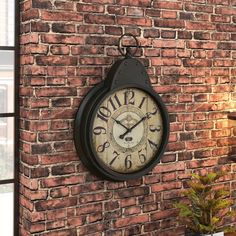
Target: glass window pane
x,y
6,212
7,18
6,81
6,148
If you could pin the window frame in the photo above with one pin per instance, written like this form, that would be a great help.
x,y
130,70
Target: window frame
x,y
16,116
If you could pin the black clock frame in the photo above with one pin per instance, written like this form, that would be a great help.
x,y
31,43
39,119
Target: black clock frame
x,y
125,73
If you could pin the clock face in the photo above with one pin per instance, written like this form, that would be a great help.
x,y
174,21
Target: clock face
x,y
127,130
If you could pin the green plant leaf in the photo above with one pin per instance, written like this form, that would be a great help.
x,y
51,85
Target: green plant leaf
x,y
221,193
206,205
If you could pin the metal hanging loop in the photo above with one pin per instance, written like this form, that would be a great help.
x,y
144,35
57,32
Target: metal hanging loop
x,y
127,51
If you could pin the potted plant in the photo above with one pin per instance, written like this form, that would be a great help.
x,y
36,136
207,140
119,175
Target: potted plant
x,y
206,206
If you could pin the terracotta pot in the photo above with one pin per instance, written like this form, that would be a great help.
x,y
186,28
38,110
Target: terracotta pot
x,y
198,234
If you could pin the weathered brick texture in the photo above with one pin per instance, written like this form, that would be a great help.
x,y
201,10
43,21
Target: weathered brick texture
x,y
189,49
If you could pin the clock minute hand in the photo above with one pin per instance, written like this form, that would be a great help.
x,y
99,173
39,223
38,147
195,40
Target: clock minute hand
x,y
119,123
132,127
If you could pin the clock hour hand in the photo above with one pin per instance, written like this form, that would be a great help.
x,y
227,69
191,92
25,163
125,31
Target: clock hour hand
x,y
132,127
119,123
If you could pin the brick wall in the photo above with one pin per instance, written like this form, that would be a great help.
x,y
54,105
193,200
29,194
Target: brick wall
x,y
189,48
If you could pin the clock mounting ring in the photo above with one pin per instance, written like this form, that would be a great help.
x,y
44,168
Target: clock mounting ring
x,y
127,51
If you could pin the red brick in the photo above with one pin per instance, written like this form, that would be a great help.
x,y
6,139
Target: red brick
x,y
35,195
198,8
62,232
164,214
168,5
168,43
56,60
197,63
135,12
169,14
41,4
134,21
220,18
59,181
169,167
95,61
56,214
59,192
166,62
63,28
89,208
90,8
57,113
87,50
200,144
227,46
92,228
101,40
167,23
30,14
36,227
143,3
199,26
55,204
202,45
55,224
225,10
132,210
218,2
69,6
39,27
116,10
99,19
55,159
153,12
99,1
113,30
151,226
92,29
151,33
59,39
86,188
60,16
51,92
202,163
96,197
131,221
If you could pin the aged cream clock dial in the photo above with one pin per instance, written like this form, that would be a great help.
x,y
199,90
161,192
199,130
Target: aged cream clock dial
x,y
127,130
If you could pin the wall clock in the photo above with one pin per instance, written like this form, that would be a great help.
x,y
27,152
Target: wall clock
x,y
122,126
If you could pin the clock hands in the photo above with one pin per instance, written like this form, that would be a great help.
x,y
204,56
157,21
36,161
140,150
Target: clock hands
x,y
132,127
119,123
147,116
